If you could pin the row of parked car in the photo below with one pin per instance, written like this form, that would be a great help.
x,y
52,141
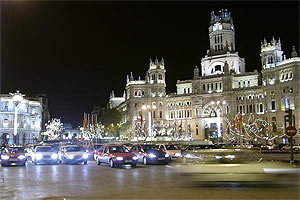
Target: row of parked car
x,y
112,154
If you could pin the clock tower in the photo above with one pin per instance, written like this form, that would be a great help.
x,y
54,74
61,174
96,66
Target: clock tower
x,y
221,33
222,46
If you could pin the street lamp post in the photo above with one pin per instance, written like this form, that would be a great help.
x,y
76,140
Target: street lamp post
x,y
17,99
149,108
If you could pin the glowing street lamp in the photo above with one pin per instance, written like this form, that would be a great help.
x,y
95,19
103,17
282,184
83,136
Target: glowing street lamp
x,y
17,99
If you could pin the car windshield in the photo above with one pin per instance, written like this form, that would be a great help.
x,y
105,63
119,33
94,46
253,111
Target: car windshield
x,y
172,147
151,147
44,149
118,149
15,150
74,149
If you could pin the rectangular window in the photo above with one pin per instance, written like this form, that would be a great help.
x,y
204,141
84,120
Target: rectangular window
x,y
261,108
153,114
203,87
250,108
273,105
227,110
160,114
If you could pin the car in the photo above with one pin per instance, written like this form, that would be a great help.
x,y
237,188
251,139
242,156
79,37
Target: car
x,y
115,155
150,154
229,166
172,149
13,155
73,154
44,155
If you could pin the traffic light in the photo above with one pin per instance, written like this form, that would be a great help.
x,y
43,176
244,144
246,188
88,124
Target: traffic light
x,y
289,117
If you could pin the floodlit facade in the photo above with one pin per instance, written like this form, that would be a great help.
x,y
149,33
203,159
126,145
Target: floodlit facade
x,y
32,115
221,102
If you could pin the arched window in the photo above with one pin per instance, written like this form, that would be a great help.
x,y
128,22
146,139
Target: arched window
x,y
153,77
160,76
218,68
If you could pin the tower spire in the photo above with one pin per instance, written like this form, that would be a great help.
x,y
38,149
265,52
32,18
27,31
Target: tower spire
x,y
294,53
131,76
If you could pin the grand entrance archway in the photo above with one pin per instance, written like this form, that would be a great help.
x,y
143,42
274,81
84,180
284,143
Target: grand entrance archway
x,y
212,119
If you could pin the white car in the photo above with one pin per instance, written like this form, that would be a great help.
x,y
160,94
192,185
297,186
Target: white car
x,y
73,154
44,155
172,149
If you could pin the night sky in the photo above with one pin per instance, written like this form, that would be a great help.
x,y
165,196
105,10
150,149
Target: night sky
x,y
77,52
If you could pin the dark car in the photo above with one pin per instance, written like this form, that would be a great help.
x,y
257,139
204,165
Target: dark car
x,y
150,154
13,156
115,155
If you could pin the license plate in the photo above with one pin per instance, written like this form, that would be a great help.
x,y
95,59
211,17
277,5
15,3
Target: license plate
x,y
127,160
161,158
13,159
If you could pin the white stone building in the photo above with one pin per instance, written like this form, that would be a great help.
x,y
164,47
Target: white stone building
x,y
32,113
222,97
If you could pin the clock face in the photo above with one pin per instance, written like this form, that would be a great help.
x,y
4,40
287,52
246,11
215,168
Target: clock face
x,y
217,26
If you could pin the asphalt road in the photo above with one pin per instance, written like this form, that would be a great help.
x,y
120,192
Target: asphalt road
x,y
102,182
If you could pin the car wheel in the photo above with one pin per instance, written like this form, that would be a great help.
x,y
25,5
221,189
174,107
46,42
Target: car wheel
x,y
98,161
111,163
85,162
145,161
133,165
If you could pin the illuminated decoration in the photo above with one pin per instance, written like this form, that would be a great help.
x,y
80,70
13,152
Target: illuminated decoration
x,y
251,129
54,129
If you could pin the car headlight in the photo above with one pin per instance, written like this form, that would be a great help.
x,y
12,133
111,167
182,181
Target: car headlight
x,y
177,154
5,157
119,158
230,156
38,156
151,155
218,157
134,158
54,156
70,156
167,155
21,157
85,156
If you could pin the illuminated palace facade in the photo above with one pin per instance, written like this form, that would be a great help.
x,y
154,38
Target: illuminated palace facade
x,y
32,114
221,102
